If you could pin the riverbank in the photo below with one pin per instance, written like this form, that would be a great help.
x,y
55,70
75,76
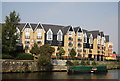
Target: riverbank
x,y
18,66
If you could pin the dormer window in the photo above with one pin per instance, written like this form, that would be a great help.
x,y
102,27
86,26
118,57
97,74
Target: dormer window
x,y
49,35
27,30
85,38
91,39
103,40
39,34
98,39
59,36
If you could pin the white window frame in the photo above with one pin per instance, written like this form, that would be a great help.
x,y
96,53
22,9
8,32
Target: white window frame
x,y
59,36
49,36
91,39
98,39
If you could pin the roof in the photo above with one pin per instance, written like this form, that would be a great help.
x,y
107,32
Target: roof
x,y
94,33
54,28
107,38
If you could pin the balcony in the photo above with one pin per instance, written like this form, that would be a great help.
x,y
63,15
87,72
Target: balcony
x,y
90,51
70,44
79,40
79,45
110,46
39,42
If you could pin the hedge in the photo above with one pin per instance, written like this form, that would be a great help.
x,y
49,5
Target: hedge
x,y
7,56
25,56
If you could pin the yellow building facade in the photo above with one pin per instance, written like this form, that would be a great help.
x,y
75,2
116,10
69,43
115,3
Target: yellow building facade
x,y
87,44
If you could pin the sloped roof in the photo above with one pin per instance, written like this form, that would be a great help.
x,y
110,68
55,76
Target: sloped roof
x,y
94,33
54,28
21,26
33,26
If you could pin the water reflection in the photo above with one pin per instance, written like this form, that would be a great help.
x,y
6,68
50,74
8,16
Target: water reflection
x,y
112,74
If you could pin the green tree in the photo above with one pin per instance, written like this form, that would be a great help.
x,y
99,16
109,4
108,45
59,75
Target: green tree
x,y
45,55
9,35
61,52
72,53
35,49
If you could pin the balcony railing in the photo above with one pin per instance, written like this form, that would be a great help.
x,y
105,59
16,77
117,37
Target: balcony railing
x,y
39,37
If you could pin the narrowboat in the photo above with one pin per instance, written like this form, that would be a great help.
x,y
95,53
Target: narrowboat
x,y
86,69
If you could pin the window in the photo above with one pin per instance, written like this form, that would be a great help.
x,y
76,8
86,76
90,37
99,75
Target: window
x,y
79,44
69,48
39,35
85,39
59,36
91,39
70,44
70,38
98,39
27,29
27,41
79,38
27,36
103,40
49,35
79,50
39,42
27,33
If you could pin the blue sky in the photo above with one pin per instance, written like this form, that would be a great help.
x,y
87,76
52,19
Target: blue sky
x,y
89,15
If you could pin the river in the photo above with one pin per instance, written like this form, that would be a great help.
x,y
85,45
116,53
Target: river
x,y
112,74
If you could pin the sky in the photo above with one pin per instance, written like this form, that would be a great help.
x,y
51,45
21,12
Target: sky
x,y
101,16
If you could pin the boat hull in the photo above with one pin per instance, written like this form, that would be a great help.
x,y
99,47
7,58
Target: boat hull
x,y
87,69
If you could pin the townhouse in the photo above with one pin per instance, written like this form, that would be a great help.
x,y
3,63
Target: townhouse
x,y
87,44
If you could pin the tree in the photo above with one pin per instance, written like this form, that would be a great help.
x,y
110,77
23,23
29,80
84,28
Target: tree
x,y
45,55
72,53
9,35
35,49
61,52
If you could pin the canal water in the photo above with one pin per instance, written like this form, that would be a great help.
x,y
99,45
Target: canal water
x,y
112,74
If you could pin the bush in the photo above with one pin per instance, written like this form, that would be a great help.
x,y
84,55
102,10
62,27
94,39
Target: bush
x,y
75,63
25,56
69,63
94,63
7,56
82,62
88,62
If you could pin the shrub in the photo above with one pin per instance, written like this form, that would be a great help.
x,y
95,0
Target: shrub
x,y
88,62
94,63
75,63
25,56
82,62
7,56
69,63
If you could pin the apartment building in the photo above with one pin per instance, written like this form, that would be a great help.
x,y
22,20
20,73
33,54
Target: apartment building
x,y
87,44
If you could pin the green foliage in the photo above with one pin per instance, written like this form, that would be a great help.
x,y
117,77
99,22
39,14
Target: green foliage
x,y
69,63
9,35
25,56
46,50
75,63
88,62
72,53
7,56
35,49
61,52
45,55
83,62
94,63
